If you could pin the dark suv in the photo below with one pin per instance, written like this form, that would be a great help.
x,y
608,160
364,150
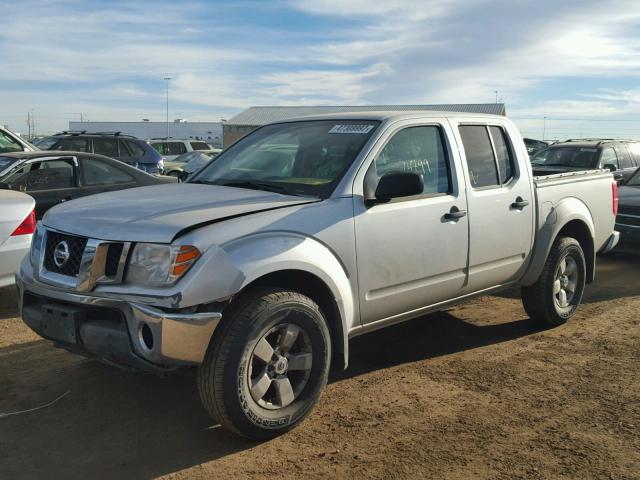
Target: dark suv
x,y
125,148
622,157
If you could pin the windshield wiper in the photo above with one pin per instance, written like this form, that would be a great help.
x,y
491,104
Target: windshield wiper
x,y
258,186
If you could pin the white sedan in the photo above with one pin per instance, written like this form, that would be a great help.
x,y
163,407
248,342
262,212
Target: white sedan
x,y
17,224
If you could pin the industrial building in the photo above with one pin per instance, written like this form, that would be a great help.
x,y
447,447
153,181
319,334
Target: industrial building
x,y
211,132
254,117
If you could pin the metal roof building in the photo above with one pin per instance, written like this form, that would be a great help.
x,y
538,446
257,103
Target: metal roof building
x,y
254,117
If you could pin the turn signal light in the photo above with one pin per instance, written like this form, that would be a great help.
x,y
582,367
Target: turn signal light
x,y
186,257
28,225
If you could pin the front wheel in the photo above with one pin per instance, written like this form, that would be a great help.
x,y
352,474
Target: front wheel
x,y
267,363
555,296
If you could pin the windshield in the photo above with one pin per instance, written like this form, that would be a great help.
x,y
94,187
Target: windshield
x,y
46,143
574,157
634,181
298,158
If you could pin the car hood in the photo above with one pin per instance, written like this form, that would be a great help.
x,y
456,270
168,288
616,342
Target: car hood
x,y
159,213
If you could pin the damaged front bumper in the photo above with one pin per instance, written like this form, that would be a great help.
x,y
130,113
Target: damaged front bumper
x,y
119,331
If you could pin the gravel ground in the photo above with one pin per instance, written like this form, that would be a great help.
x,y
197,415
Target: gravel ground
x,y
477,391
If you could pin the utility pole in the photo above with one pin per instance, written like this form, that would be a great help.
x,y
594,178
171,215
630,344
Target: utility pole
x,y
167,80
29,124
544,127
496,92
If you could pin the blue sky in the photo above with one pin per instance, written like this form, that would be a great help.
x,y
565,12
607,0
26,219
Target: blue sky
x,y
575,62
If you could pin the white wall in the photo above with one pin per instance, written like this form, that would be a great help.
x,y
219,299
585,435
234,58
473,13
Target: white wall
x,y
211,132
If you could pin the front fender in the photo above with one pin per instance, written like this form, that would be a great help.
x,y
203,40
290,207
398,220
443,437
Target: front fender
x,y
556,218
260,254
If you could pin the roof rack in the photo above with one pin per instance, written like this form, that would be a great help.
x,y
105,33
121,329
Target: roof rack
x,y
85,132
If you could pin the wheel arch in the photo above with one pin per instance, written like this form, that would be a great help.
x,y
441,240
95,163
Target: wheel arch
x,y
571,218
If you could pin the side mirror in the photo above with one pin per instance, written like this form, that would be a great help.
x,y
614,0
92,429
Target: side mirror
x,y
611,167
396,185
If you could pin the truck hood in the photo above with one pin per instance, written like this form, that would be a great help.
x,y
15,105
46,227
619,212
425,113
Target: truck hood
x,y
159,213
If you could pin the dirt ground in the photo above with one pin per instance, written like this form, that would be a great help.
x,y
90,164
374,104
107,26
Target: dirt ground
x,y
477,391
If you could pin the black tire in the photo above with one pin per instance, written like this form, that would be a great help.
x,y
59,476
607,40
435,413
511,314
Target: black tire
x,y
540,300
227,371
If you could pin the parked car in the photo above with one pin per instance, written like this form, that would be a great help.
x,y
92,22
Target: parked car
x,y
170,148
56,177
17,224
189,162
534,146
628,219
125,148
306,233
620,156
11,142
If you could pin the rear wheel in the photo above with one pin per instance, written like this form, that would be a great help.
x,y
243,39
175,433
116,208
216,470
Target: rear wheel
x,y
555,296
267,363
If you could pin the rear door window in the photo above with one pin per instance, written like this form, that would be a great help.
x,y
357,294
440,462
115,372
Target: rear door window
x,y
503,152
98,172
481,163
174,148
106,146
72,144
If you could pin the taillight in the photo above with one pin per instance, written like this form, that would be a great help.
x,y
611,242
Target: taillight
x,y
614,196
28,225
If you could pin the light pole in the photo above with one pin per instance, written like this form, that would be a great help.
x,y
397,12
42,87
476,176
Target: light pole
x,y
544,127
167,80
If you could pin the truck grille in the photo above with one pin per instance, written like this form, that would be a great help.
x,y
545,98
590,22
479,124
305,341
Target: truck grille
x,y
80,263
74,247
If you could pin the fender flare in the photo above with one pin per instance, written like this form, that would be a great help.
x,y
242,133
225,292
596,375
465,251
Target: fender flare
x,y
558,217
261,254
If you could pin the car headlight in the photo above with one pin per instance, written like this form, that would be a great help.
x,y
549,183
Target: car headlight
x,y
157,265
36,245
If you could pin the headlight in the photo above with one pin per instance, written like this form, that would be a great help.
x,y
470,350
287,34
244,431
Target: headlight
x,y
156,265
36,244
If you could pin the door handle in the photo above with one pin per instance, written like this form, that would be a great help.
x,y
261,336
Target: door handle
x,y
520,203
455,214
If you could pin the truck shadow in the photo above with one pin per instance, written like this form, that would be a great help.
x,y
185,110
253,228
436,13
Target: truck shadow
x,y
433,335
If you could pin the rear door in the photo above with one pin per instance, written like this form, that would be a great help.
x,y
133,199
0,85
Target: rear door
x,y
500,203
409,254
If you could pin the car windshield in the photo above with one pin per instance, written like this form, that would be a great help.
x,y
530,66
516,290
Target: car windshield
x,y
634,181
299,158
574,157
45,143
5,162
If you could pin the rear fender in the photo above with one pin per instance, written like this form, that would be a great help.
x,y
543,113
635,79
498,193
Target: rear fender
x,y
569,210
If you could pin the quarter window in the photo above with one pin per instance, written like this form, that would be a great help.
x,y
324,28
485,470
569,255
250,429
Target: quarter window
x,y
419,150
200,146
624,156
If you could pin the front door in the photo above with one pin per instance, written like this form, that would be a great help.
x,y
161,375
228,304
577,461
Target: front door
x,y
409,253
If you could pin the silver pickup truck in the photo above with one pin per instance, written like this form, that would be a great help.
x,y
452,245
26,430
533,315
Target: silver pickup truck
x,y
303,235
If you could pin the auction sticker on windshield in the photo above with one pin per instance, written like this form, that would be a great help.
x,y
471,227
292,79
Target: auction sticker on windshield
x,y
360,129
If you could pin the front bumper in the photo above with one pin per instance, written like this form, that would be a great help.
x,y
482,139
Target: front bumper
x,y
118,331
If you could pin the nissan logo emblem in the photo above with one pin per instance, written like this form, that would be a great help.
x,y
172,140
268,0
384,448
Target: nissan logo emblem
x,y
61,254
